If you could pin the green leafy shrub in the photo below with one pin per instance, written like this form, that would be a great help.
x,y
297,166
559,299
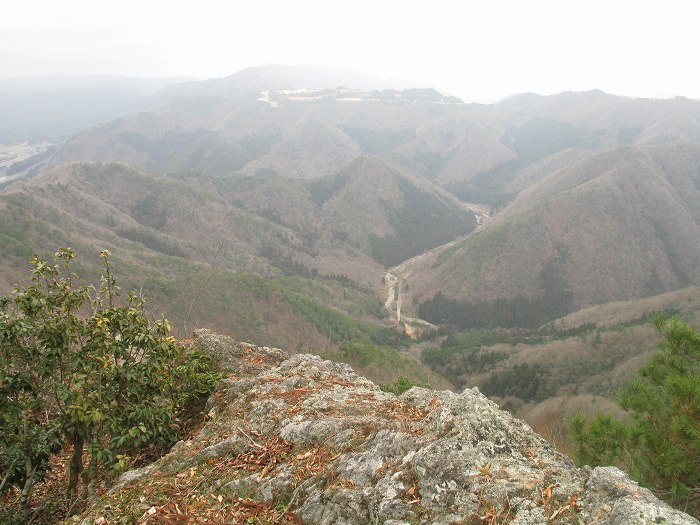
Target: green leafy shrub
x,y
78,369
400,385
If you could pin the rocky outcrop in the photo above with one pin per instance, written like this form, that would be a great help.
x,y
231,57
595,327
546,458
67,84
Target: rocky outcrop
x,y
303,440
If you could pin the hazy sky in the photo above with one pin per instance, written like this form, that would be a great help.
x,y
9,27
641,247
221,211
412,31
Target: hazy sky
x,y
478,50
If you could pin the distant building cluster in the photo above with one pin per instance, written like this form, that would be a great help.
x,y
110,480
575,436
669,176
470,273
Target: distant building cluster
x,y
343,94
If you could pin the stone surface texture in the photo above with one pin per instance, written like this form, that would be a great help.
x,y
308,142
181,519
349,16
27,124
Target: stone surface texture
x,y
326,446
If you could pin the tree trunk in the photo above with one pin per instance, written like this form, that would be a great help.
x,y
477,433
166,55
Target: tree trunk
x,y
90,478
30,472
8,475
75,467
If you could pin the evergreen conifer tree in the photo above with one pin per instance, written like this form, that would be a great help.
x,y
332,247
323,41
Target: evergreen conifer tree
x,y
660,443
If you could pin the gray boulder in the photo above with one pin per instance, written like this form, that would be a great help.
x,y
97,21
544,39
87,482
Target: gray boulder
x,y
304,440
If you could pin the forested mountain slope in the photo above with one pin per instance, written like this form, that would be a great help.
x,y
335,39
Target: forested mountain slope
x,y
282,170
621,224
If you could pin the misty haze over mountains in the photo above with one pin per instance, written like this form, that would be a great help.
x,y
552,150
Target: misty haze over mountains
x,y
579,184
53,107
279,204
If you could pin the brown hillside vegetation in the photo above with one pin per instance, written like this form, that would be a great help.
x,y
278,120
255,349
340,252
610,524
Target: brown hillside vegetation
x,y
343,224
219,132
601,191
577,368
608,315
609,120
618,225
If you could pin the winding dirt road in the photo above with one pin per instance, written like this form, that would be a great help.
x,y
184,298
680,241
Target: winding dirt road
x,y
394,277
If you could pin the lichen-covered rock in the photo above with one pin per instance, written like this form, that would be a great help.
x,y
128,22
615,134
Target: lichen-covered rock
x,y
613,498
303,440
236,358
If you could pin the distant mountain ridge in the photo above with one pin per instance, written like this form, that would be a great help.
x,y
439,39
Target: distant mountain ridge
x,y
278,76
595,196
